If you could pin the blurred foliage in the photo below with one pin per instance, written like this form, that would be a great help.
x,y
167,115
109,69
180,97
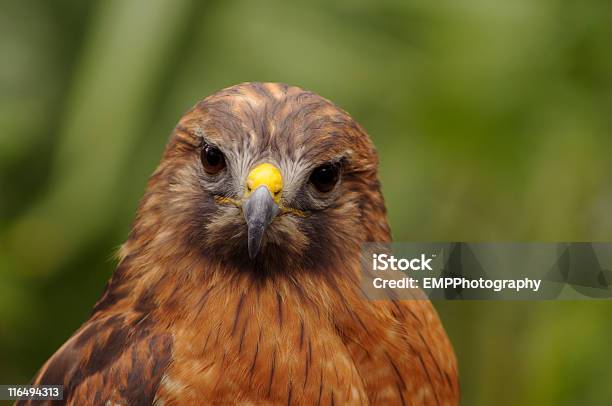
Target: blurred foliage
x,y
493,121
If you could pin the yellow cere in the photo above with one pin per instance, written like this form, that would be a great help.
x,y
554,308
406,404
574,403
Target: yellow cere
x,y
267,175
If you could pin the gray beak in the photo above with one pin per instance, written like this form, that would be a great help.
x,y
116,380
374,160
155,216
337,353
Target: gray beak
x,y
259,211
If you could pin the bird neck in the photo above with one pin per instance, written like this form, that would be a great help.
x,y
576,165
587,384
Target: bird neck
x,y
148,282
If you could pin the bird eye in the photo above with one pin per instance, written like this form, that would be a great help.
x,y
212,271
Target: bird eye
x,y
212,159
325,177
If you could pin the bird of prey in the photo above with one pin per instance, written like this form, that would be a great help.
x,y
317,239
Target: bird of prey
x,y
239,281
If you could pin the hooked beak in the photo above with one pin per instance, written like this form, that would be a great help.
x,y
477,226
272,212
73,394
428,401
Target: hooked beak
x,y
259,211
264,185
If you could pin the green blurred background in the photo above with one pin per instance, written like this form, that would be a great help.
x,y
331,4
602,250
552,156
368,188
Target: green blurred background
x,y
493,121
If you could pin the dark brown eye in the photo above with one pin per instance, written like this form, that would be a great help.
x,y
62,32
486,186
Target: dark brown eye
x,y
212,159
325,177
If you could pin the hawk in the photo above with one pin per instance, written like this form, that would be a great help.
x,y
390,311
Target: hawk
x,y
239,281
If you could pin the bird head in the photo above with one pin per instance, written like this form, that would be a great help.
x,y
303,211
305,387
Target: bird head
x,y
266,177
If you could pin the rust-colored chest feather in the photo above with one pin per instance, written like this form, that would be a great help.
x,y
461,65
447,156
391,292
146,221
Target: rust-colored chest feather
x,y
268,345
247,341
278,345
